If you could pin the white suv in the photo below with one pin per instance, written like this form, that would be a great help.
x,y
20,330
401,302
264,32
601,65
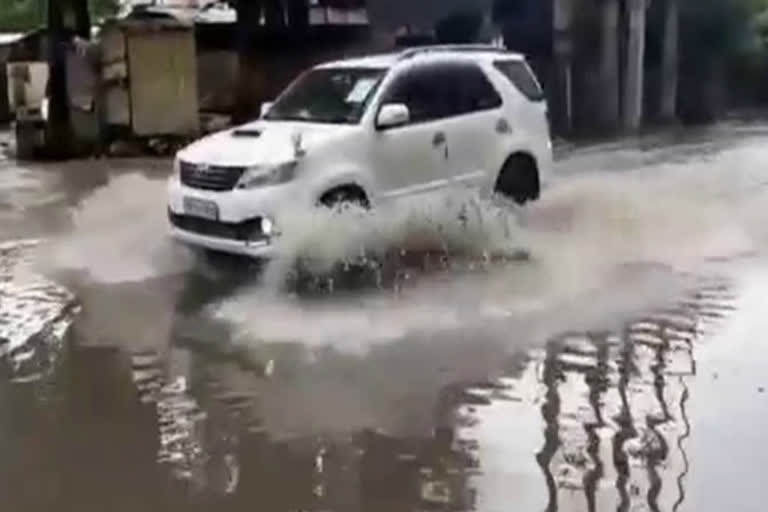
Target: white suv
x,y
371,131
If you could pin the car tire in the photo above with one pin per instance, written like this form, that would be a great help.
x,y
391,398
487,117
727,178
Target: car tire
x,y
344,198
519,179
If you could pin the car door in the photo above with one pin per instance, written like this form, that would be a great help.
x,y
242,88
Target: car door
x,y
411,159
475,129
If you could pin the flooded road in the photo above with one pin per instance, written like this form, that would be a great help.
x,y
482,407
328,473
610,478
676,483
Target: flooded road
x,y
602,350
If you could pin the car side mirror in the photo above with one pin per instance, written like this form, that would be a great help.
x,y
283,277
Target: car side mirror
x,y
392,115
265,106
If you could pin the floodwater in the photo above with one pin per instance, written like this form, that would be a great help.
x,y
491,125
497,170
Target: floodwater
x,y
601,350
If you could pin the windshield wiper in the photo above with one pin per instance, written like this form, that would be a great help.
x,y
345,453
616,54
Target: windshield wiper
x,y
304,119
288,118
247,132
334,120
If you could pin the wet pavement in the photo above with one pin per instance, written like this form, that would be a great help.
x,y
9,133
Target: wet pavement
x,y
620,365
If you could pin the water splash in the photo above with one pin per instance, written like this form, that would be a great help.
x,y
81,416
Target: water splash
x,y
118,234
600,246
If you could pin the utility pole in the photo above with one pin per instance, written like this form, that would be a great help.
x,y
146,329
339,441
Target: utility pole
x,y
634,79
609,63
563,50
249,16
274,14
298,16
58,133
670,60
66,19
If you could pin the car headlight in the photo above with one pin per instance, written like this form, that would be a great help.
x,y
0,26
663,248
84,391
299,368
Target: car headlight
x,y
261,176
176,171
267,226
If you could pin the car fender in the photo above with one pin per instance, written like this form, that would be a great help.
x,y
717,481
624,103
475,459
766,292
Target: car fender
x,y
542,156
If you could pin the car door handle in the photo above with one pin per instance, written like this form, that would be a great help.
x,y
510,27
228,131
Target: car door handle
x,y
438,139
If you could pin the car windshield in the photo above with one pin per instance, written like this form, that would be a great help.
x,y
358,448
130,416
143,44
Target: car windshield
x,y
328,95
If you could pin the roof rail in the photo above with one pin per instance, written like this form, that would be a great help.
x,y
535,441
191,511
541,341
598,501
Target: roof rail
x,y
418,50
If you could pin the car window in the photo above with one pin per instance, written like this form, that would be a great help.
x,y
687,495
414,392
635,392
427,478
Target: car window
x,y
420,90
522,78
473,91
441,90
328,95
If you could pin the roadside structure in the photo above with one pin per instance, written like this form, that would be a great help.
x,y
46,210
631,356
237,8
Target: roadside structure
x,y
243,53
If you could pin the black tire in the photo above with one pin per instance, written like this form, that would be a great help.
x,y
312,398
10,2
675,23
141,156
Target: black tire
x,y
519,179
345,197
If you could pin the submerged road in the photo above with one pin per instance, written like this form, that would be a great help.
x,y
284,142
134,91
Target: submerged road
x,y
620,366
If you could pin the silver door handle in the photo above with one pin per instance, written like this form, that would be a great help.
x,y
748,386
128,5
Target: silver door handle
x,y
438,139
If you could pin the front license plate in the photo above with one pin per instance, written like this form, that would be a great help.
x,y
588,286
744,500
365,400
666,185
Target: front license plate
x,y
201,208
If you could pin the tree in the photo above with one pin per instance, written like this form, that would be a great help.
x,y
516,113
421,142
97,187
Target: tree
x,y
66,19
634,65
609,62
103,8
24,15
526,25
713,33
298,15
670,60
459,27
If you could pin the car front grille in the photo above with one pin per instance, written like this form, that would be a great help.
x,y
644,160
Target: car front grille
x,y
249,230
210,177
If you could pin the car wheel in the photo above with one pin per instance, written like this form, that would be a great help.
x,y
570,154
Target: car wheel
x,y
345,198
519,179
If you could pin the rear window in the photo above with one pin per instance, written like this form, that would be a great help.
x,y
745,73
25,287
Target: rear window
x,y
442,90
522,78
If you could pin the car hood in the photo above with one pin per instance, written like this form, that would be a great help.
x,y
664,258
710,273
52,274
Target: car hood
x,y
261,143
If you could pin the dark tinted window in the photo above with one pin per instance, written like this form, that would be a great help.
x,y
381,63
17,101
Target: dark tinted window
x,y
472,90
522,78
420,90
437,91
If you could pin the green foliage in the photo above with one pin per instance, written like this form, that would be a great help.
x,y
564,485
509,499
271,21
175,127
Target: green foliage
x,y
103,9
760,26
23,15
725,42
717,28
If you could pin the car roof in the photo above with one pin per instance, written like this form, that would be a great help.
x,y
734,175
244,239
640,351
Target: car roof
x,y
445,52
384,60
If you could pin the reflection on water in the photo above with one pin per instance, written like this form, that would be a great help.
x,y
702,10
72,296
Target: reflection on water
x,y
614,411
594,421
35,313
608,411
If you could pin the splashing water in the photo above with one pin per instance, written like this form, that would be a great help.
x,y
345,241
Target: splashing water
x,y
449,261
326,244
118,234
601,245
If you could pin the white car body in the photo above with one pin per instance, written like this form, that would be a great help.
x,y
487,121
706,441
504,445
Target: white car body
x,y
401,163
